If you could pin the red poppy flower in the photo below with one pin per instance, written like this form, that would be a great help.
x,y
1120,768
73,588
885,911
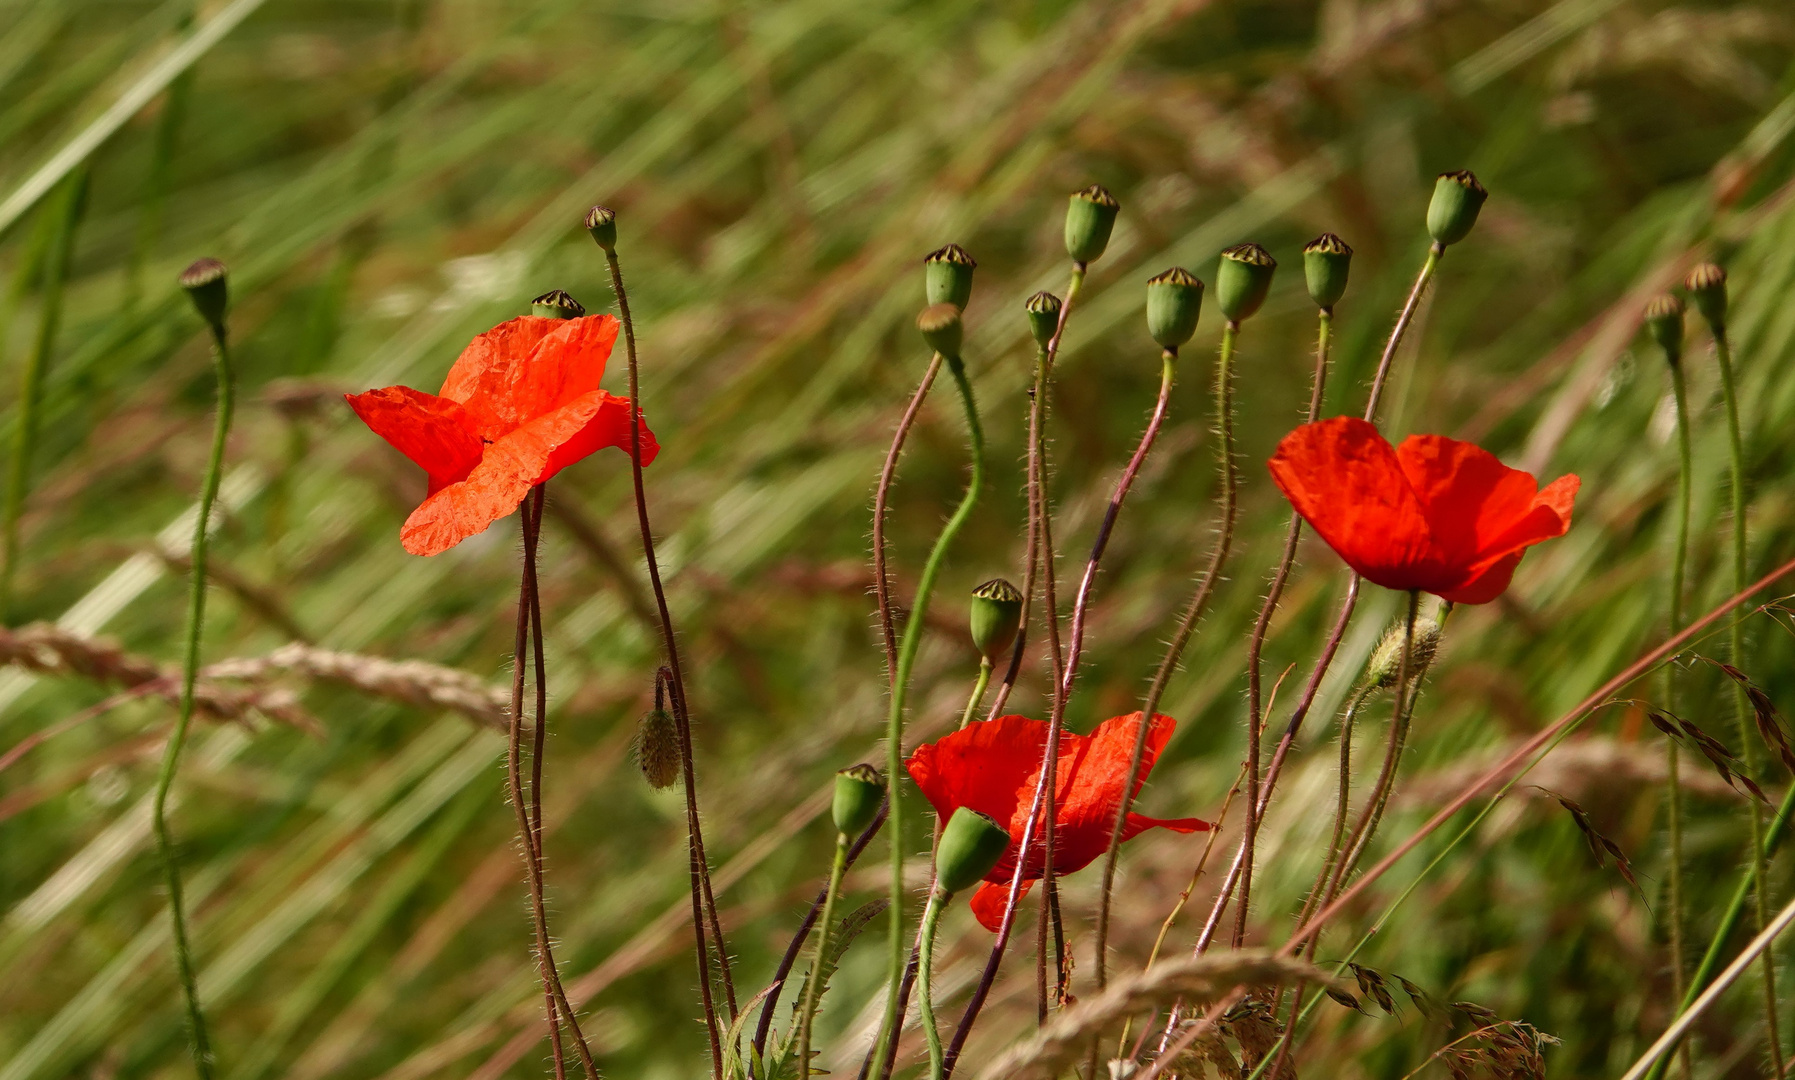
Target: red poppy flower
x,y
520,404
993,766
1433,514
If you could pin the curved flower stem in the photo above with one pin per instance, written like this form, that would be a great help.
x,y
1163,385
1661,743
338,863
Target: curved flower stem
x,y
1341,806
1037,408
199,1044
1673,790
890,1027
1403,320
807,1012
702,900
881,503
930,917
978,690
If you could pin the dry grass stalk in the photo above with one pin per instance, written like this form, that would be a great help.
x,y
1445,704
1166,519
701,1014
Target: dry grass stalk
x,y
414,682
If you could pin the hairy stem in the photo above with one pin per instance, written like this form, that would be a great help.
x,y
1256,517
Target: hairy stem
x,y
1673,791
807,1012
1342,804
881,505
930,917
978,690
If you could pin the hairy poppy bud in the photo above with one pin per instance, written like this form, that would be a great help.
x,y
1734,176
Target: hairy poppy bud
x,y
1457,199
601,222
940,326
1381,669
1664,321
556,304
657,749
1707,287
970,846
1326,261
1242,279
1089,219
996,614
1043,317
858,792
947,276
1174,301
205,282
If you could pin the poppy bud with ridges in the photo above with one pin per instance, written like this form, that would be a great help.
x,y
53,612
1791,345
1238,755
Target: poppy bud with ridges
x,y
657,749
1242,280
1707,288
970,848
1326,262
859,790
996,615
1043,317
1090,217
1174,303
947,276
601,222
1457,199
1382,669
1664,321
941,328
556,304
206,284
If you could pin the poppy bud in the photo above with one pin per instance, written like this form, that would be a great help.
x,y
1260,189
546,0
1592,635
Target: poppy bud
x,y
601,222
1326,261
1664,321
1707,287
1457,199
947,276
1043,317
996,614
940,326
1242,280
858,792
1089,219
1381,669
206,287
556,304
657,749
970,846
1174,301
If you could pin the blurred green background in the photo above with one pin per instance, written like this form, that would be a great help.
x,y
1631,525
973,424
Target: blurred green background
x,y
388,177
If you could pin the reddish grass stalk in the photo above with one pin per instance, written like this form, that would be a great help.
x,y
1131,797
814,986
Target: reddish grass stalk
x,y
881,504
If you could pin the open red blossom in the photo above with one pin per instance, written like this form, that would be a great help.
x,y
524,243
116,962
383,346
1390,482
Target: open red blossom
x,y
993,767
1433,514
520,404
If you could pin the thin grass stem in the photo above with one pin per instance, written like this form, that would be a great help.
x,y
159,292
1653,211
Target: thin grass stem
x,y
1673,790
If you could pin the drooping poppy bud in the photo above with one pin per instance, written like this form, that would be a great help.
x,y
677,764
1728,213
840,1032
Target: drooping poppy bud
x,y
1174,301
601,222
1386,660
556,304
1707,287
970,846
657,749
1089,219
1326,261
1457,199
206,284
996,615
858,792
1043,317
1664,321
1242,280
940,326
947,276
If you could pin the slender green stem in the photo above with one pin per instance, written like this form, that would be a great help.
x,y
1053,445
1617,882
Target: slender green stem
x,y
199,1044
1342,804
1673,791
978,690
807,1012
924,979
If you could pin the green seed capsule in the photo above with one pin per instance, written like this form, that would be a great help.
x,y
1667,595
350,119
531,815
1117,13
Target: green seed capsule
x,y
1043,317
205,282
657,749
1174,302
996,615
556,304
1457,199
1381,669
1707,287
1242,280
1664,321
1326,261
1089,219
970,847
601,222
859,790
940,326
947,276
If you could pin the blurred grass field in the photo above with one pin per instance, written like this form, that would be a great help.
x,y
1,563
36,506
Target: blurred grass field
x,y
388,177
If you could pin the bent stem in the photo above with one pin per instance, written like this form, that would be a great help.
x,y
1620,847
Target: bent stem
x,y
930,917
978,690
199,1044
807,1012
1673,790
1342,803
881,503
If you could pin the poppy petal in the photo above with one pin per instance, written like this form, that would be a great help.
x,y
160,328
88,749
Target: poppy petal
x,y
608,426
984,766
989,900
567,363
433,432
1139,823
1548,519
484,376
1470,499
1092,771
1346,482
